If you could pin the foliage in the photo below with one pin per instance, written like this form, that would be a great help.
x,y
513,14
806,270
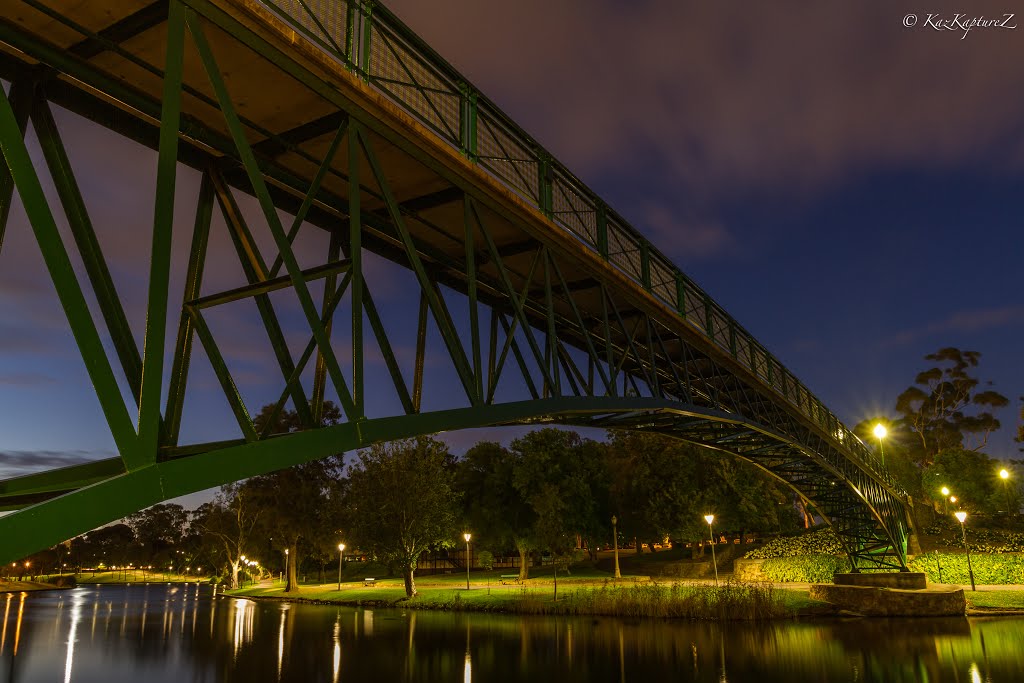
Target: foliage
x,y
663,487
815,568
561,477
989,568
293,499
226,525
494,509
821,542
1020,426
944,407
486,559
900,450
402,501
972,476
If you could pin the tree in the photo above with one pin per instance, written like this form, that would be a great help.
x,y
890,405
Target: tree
x,y
663,487
1020,426
159,531
972,477
562,478
494,509
228,522
901,448
291,499
654,489
401,501
945,409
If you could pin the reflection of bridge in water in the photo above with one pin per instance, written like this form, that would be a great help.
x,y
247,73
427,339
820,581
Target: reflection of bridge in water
x,y
546,306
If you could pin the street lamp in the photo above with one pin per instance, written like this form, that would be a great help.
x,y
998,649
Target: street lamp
x,y
953,499
711,533
962,516
467,536
286,575
880,433
615,545
1004,475
945,501
341,558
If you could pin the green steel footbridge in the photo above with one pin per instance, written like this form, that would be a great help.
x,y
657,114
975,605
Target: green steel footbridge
x,y
331,116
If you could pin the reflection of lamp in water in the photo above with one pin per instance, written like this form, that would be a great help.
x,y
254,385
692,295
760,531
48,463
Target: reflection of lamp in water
x,y
962,516
467,675
711,534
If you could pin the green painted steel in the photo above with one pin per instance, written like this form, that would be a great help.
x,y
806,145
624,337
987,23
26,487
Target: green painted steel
x,y
660,354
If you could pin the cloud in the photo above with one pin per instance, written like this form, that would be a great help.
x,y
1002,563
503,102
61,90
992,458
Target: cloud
x,y
686,238
25,379
963,322
781,97
18,463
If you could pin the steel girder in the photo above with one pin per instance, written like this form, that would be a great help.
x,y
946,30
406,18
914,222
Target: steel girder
x,y
540,314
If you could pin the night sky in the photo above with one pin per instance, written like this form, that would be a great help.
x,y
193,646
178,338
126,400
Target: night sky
x,y
848,188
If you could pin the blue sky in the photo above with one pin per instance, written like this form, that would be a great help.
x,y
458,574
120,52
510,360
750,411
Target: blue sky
x,y
847,187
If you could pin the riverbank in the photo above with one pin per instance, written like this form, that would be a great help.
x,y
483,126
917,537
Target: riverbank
x,y
630,597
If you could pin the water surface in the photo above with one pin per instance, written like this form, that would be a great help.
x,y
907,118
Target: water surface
x,y
175,633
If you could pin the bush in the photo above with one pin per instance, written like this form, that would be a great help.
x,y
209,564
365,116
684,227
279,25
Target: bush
x,y
814,568
821,542
1000,569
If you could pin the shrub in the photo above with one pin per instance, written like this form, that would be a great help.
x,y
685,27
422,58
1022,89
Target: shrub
x,y
989,568
821,542
814,568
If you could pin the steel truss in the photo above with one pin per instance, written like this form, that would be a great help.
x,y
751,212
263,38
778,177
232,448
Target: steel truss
x,y
540,311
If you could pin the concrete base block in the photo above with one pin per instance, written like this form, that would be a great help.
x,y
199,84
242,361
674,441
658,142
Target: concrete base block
x,y
904,580
889,602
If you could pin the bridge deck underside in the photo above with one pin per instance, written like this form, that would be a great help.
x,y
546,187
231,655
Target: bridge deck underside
x,y
419,201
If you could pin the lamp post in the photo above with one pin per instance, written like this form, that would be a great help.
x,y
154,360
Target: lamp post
x,y
962,516
341,558
880,433
945,499
711,535
953,499
286,560
467,536
615,545
1004,475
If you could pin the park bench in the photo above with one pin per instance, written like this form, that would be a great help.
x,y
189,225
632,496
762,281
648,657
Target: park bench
x,y
369,581
513,578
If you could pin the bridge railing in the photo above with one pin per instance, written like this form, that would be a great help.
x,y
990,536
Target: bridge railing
x,y
367,39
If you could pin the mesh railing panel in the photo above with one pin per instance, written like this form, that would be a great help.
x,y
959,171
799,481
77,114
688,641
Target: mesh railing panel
x,y
573,210
395,69
512,162
663,282
623,250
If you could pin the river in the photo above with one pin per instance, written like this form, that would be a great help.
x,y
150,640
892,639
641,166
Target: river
x,y
174,633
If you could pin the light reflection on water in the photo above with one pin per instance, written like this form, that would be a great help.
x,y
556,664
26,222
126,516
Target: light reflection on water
x,y
157,633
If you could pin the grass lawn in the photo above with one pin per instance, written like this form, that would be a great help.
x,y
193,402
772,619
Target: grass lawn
x,y
19,586
1005,599
136,576
584,592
